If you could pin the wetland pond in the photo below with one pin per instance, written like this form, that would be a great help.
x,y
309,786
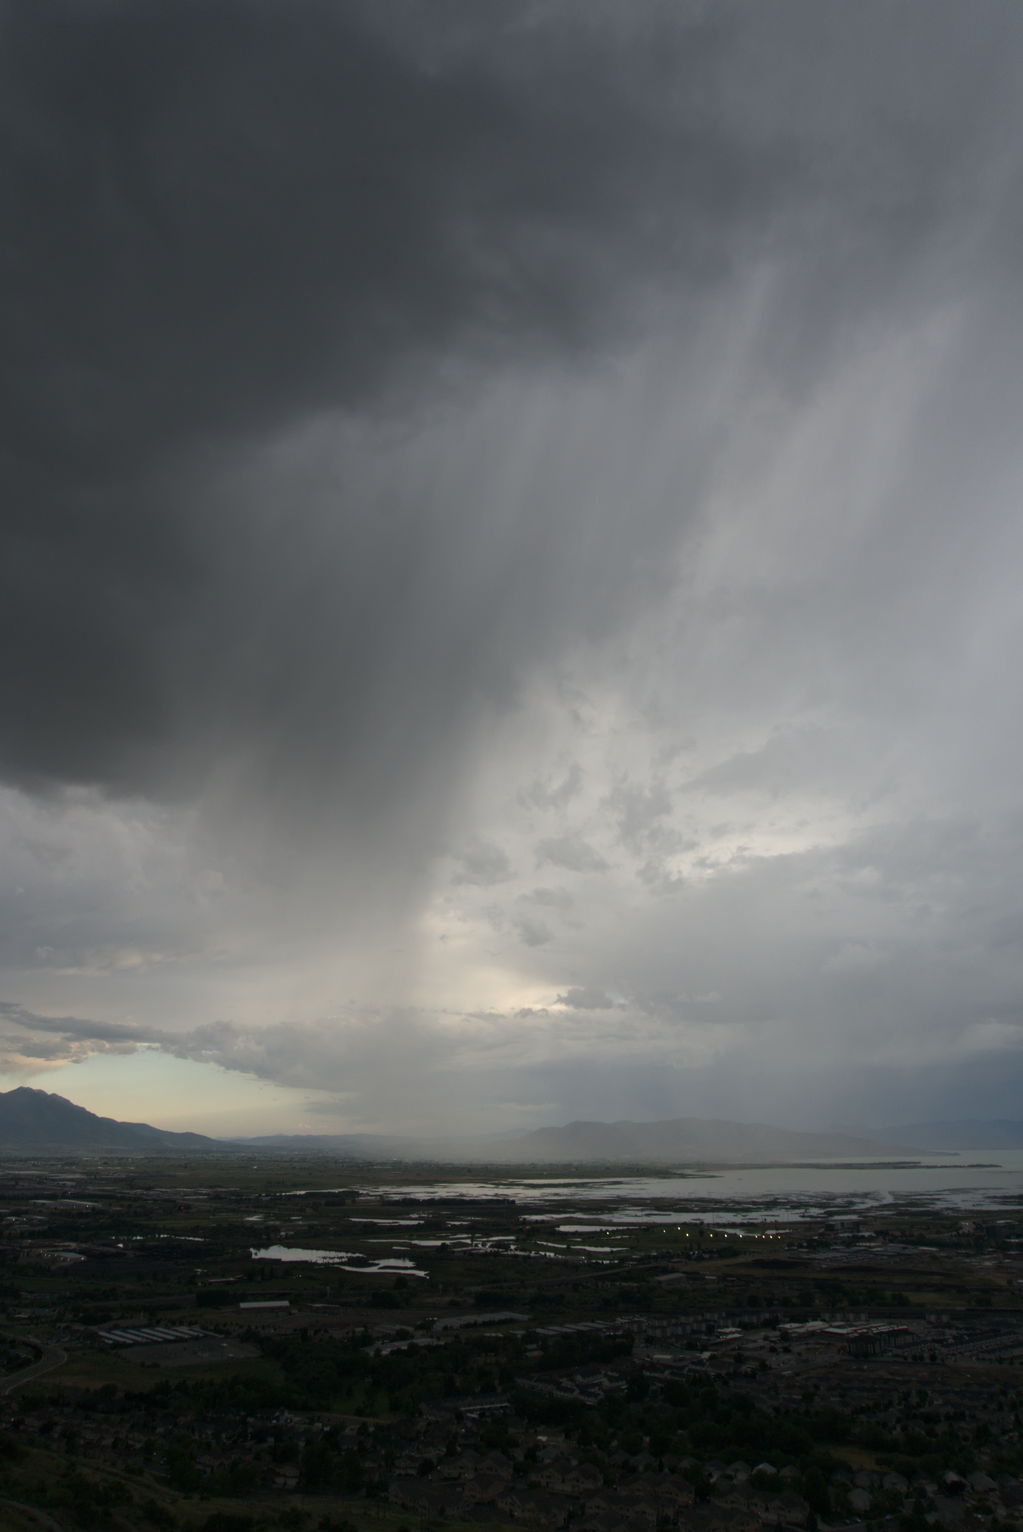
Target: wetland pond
x,y
344,1260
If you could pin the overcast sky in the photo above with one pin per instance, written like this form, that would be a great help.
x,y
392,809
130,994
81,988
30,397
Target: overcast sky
x,y
509,607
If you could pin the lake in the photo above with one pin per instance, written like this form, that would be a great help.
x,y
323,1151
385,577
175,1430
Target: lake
x,y
983,1179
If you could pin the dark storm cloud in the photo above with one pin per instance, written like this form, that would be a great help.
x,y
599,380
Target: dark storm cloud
x,y
224,217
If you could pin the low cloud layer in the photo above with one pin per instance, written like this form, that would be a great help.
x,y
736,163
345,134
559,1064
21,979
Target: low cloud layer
x,y
510,530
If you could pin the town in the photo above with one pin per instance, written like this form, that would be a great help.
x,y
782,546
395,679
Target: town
x,y
231,1345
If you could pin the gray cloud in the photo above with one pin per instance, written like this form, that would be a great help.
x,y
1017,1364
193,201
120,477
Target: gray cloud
x,y
558,794
483,864
550,898
33,1042
791,759
642,818
67,1026
583,999
533,932
572,852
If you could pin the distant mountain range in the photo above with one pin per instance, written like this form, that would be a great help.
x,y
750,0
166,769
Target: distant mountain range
x,y
345,1146
38,1122
683,1138
675,1141
958,1135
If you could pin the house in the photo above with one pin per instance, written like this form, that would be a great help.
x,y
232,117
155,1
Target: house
x,y
596,1521
423,1495
564,1477
670,1490
636,1513
786,1509
497,1464
722,1518
534,1505
483,1488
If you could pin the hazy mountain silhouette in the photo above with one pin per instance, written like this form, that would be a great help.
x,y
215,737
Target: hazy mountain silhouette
x,y
999,1134
677,1140
684,1138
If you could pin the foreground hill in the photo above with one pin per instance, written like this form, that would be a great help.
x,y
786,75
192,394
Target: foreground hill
x,y
38,1122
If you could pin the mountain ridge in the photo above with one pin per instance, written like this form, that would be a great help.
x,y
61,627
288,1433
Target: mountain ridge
x,y
41,1122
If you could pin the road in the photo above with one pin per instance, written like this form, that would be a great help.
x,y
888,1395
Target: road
x,y
49,1358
